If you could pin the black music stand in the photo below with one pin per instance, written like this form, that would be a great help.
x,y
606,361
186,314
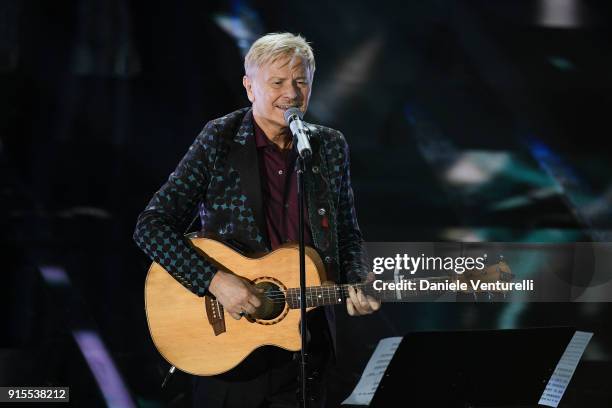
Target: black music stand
x,y
479,369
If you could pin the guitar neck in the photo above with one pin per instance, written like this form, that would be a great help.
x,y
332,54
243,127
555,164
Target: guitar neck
x,y
337,294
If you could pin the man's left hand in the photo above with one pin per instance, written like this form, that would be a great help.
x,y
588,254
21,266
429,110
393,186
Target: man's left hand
x,y
359,304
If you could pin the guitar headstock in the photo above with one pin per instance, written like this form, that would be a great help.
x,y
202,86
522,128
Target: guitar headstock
x,y
497,272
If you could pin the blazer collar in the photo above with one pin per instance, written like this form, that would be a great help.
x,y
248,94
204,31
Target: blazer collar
x,y
245,131
243,157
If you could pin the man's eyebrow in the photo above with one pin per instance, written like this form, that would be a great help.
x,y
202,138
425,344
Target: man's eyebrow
x,y
276,78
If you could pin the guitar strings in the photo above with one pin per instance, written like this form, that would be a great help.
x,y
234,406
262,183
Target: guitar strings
x,y
320,292
316,289
326,290
328,294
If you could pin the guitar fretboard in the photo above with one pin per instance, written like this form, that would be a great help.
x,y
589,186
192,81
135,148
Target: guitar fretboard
x,y
337,294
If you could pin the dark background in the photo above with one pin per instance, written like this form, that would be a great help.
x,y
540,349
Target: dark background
x,y
468,120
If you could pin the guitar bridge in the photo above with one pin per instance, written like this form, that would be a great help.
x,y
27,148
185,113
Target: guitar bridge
x,y
214,312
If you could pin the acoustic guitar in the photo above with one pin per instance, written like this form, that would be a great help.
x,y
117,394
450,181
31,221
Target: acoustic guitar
x,y
196,336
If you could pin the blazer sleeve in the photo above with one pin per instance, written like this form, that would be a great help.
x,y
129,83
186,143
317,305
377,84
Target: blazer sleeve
x,y
352,253
158,230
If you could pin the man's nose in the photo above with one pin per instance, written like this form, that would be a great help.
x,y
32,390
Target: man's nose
x,y
292,91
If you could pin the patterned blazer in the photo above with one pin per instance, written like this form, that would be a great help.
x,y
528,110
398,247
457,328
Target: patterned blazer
x,y
219,176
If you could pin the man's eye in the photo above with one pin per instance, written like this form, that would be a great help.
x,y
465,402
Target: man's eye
x,y
276,83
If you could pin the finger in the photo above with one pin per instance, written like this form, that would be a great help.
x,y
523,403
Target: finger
x,y
249,309
349,307
374,303
236,316
254,300
364,305
355,300
352,294
361,297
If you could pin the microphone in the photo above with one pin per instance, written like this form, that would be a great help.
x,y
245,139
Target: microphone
x,y
293,117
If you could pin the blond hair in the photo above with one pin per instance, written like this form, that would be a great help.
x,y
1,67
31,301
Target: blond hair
x,y
273,46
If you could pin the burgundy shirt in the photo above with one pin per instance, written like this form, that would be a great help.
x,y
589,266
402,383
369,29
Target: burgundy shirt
x,y
279,191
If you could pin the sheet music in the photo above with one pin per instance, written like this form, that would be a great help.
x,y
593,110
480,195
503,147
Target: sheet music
x,y
375,369
565,369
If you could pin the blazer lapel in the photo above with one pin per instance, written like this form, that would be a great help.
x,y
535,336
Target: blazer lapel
x,y
243,157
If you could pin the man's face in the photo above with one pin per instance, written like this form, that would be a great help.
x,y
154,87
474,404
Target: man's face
x,y
277,86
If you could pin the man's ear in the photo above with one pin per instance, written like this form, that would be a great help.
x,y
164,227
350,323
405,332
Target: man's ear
x,y
248,85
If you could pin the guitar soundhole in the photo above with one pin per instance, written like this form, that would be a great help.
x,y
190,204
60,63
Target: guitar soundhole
x,y
273,306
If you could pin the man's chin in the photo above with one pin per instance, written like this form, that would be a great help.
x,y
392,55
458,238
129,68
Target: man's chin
x,y
277,119
279,116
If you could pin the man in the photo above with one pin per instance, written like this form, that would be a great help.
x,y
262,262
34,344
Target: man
x,y
240,172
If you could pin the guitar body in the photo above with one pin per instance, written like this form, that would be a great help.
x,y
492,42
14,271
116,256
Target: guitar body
x,y
181,329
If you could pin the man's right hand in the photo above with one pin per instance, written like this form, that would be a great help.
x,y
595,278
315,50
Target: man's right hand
x,y
235,294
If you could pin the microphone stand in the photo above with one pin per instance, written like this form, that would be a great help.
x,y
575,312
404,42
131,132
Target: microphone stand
x,y
303,326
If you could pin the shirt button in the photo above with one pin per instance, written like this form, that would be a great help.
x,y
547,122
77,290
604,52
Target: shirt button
x,y
286,205
280,172
321,211
328,259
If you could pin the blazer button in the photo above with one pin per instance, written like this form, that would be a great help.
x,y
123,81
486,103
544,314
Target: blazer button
x,y
315,169
321,211
328,259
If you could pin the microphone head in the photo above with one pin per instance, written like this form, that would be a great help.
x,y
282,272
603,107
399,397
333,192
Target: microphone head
x,y
289,113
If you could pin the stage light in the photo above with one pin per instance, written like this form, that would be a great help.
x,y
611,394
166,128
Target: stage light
x,y
100,362
560,13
